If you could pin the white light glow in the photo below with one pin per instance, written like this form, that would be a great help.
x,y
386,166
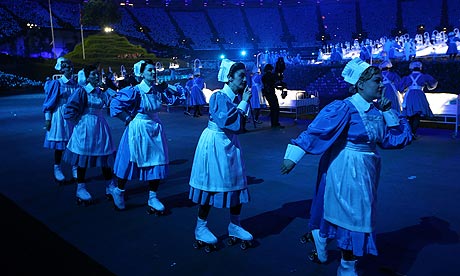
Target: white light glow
x,y
443,103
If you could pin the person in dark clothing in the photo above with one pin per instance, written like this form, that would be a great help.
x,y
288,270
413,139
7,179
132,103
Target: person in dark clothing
x,y
268,91
280,66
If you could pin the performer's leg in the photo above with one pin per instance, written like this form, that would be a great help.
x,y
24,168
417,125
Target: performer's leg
x,y
58,157
347,265
83,196
202,232
153,202
416,123
234,228
203,211
58,175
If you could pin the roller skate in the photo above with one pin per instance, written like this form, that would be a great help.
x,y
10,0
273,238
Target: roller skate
x,y
347,268
109,188
83,197
237,233
118,197
59,177
319,252
155,206
203,237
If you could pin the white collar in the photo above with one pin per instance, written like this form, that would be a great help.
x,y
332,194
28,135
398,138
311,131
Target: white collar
x,y
229,92
89,88
361,103
144,87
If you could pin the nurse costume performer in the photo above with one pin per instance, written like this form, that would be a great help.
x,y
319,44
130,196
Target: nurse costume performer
x,y
391,81
91,142
58,129
143,151
257,99
415,104
197,97
346,133
218,177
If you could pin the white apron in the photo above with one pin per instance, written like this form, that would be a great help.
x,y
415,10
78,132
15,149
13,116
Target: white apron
x,y
218,164
61,129
352,180
92,136
147,141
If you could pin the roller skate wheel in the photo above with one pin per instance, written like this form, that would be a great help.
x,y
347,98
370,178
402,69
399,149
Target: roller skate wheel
x,y
58,183
153,211
303,239
245,245
207,247
313,257
306,238
231,241
83,202
117,209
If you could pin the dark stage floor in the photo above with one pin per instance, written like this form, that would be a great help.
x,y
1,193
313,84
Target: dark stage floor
x,y
45,232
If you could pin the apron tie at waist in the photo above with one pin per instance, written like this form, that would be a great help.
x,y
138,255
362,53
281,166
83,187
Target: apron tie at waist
x,y
213,126
93,111
147,116
370,147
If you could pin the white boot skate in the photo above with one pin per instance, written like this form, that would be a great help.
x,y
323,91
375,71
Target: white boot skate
x,y
319,253
155,206
204,237
237,233
347,268
83,196
58,175
118,196
109,188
